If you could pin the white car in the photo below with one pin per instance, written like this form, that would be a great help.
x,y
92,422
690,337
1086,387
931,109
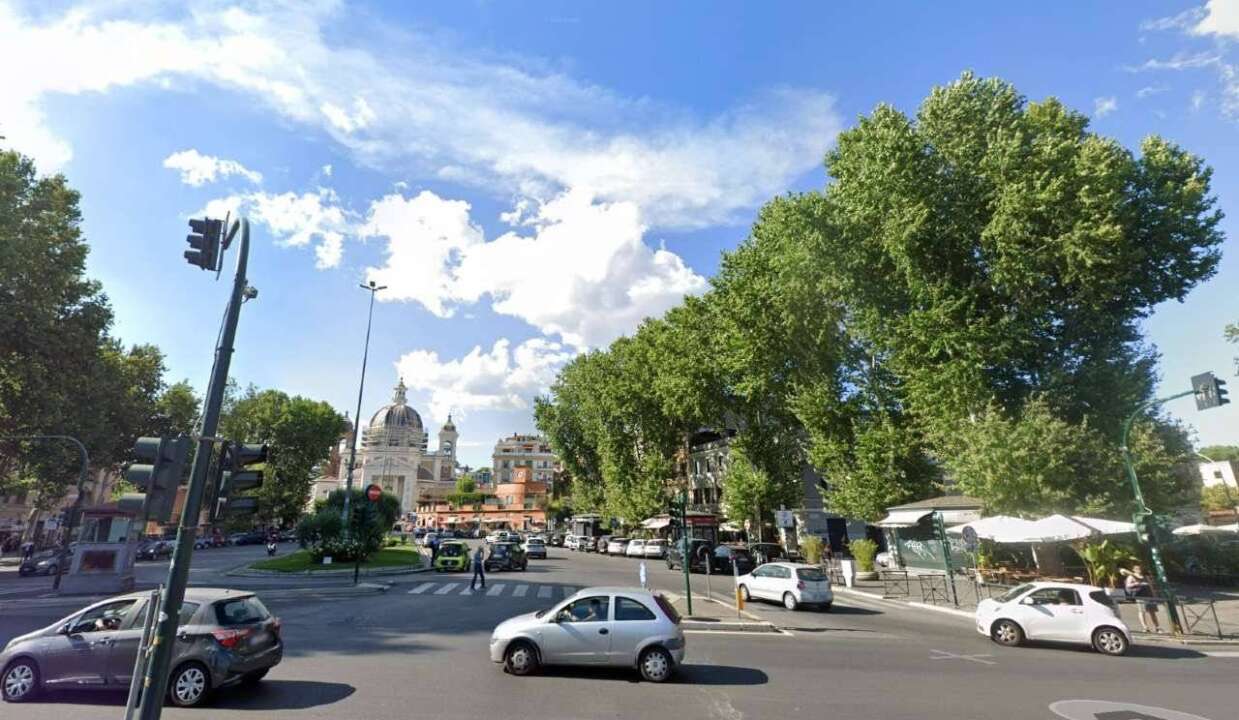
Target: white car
x,y
655,549
792,584
636,548
429,537
617,626
617,545
570,542
1065,612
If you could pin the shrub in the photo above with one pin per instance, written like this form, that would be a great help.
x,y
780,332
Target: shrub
x,y
811,548
864,550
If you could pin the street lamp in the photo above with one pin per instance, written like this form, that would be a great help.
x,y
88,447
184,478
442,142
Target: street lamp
x,y
1225,489
352,446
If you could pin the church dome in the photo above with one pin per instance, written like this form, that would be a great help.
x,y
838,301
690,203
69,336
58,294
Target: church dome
x,y
398,414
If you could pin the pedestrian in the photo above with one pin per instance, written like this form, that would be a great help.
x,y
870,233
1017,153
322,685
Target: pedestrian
x,y
1138,587
477,569
27,551
434,549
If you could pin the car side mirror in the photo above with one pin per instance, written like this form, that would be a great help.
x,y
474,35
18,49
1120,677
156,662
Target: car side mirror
x,y
1028,601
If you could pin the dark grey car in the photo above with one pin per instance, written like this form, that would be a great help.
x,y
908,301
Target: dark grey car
x,y
223,637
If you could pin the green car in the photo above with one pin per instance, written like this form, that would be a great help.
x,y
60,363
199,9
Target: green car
x,y
453,555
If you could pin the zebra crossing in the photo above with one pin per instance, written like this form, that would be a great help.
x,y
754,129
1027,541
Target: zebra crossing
x,y
518,590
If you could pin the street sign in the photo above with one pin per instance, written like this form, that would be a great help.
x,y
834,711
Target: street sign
x,y
970,538
373,492
784,518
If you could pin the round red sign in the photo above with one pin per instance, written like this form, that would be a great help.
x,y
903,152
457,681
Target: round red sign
x,y
373,493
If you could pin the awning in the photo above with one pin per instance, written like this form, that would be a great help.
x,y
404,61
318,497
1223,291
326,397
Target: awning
x,y
656,523
902,518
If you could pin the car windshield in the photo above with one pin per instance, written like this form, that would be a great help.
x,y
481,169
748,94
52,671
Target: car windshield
x,y
810,574
451,550
498,550
1013,593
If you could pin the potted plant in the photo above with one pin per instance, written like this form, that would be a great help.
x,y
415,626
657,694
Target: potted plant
x,y
1103,560
864,550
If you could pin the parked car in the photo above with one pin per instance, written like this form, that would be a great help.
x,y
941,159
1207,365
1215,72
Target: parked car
x,y
763,553
656,549
556,540
722,557
453,556
792,584
699,551
154,549
571,542
636,548
506,556
623,627
1064,612
601,543
228,637
535,547
588,544
617,546
46,562
428,538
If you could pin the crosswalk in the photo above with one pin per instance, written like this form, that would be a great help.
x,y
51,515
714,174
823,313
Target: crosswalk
x,y
520,590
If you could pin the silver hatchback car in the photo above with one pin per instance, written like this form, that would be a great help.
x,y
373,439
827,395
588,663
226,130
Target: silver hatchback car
x,y
617,626
223,637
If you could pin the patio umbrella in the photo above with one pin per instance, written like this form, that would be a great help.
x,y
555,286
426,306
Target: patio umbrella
x,y
1060,528
998,528
1199,529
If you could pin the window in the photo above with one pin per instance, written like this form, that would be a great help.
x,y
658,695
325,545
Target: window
x,y
1055,596
1101,596
592,609
107,616
240,611
810,574
1013,593
629,609
667,608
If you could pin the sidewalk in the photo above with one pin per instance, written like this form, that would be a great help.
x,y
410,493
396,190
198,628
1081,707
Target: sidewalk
x,y
713,615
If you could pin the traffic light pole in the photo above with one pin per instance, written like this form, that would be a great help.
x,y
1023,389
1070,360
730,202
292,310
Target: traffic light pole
x,y
1155,550
352,445
155,684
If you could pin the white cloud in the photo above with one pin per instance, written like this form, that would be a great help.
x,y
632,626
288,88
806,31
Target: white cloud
x,y
1151,90
584,273
198,169
1220,17
295,219
499,379
1184,20
408,104
1103,106
327,170
1198,100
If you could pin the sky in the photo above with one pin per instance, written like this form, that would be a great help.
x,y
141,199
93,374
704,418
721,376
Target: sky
x,y
530,180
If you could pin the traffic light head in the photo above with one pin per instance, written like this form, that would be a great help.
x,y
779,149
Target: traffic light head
x,y
204,243
237,475
1209,391
157,473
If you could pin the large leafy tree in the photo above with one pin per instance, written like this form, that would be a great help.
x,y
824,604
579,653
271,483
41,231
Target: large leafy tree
x,y
299,433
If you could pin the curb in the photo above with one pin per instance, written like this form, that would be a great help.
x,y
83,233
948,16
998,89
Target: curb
x,y
712,626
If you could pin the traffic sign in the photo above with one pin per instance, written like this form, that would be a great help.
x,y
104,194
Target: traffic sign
x,y
784,518
373,492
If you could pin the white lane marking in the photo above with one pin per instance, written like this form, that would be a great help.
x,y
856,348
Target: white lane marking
x,y
495,589
544,591
569,591
944,655
447,588
422,588
520,590
1223,654
468,591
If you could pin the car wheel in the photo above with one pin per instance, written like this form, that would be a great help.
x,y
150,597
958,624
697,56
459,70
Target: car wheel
x,y
189,685
744,593
1007,632
253,677
1110,641
21,681
656,665
521,659
789,601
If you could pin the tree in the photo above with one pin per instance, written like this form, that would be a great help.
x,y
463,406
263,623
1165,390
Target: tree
x,y
1220,453
751,494
1218,497
299,433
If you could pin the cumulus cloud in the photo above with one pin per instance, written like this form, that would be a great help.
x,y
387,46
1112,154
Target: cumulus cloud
x,y
583,273
197,169
295,219
405,103
1103,106
1218,17
502,378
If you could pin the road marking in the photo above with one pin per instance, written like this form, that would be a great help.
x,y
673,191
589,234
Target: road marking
x,y
569,591
749,633
422,588
468,591
944,655
520,590
495,589
1223,654
544,591
447,588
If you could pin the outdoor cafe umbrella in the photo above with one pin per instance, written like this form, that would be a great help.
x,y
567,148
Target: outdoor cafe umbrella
x,y
998,528
1060,528
1199,529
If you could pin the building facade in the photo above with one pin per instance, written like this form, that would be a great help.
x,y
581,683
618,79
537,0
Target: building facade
x,y
1218,473
529,451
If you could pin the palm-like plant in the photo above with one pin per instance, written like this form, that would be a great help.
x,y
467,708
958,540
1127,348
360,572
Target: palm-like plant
x,y
1103,560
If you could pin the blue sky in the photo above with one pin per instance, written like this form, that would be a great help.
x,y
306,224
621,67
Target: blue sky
x,y
531,179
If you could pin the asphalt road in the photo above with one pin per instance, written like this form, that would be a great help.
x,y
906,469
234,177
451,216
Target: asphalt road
x,y
420,651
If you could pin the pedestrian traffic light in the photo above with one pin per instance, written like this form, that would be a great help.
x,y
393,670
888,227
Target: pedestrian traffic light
x,y
234,475
157,474
1209,391
204,241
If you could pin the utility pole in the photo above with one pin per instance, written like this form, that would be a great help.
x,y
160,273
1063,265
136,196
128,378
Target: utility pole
x,y
352,446
155,684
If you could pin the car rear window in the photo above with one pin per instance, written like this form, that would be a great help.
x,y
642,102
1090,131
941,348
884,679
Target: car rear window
x,y
810,574
240,611
667,608
452,550
1103,597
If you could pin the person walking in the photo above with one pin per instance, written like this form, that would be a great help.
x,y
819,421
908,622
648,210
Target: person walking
x,y
1137,587
434,549
477,570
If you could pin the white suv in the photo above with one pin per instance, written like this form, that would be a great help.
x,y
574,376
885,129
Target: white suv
x,y
1065,612
570,542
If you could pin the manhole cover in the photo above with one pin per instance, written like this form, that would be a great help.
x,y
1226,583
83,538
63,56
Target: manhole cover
x,y
1106,710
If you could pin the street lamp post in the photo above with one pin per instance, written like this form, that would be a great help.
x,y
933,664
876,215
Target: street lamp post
x,y
1225,488
352,446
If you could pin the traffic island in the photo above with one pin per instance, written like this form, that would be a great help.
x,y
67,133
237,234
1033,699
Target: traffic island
x,y
398,560
710,615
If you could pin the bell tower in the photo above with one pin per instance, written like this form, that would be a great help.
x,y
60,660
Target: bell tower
x,y
447,438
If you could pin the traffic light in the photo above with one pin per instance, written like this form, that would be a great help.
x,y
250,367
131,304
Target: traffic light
x,y
204,241
157,474
1209,391
1153,527
234,475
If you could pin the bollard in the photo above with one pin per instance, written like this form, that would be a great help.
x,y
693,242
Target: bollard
x,y
735,573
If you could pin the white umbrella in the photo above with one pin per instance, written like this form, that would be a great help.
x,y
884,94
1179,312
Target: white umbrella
x,y
1059,528
1106,527
999,528
1199,529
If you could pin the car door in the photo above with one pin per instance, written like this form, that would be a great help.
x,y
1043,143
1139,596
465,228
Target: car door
x,y
123,649
1052,613
634,622
761,581
580,633
79,657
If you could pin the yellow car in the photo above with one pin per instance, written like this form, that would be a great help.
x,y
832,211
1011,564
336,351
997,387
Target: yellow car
x,y
453,555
